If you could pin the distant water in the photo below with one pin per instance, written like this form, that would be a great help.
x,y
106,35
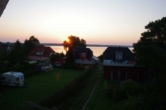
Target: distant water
x,y
96,50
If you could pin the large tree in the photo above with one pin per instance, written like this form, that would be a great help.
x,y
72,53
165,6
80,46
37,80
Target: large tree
x,y
150,50
72,43
15,56
30,43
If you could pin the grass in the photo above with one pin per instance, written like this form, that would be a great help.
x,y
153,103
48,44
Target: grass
x,y
77,102
99,100
38,88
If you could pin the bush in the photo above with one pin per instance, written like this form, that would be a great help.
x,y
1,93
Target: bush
x,y
31,73
130,87
27,69
123,91
69,66
115,92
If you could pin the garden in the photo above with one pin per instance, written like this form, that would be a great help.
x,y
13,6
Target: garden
x,y
37,88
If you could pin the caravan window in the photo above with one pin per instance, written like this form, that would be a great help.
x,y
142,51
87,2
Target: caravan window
x,y
22,77
2,78
17,79
58,64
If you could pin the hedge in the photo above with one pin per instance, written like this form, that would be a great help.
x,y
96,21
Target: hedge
x,y
27,69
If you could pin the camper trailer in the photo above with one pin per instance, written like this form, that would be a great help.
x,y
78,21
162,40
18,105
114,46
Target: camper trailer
x,y
12,79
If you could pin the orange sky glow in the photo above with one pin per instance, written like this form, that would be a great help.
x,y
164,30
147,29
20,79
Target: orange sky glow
x,y
114,22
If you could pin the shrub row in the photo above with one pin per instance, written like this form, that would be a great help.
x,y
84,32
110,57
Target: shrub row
x,y
31,73
69,66
133,96
70,90
27,69
122,92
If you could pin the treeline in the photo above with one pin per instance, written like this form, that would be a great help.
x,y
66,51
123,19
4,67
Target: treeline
x,y
18,53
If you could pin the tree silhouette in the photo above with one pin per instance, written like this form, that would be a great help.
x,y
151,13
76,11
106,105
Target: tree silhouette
x,y
72,43
30,44
150,50
17,55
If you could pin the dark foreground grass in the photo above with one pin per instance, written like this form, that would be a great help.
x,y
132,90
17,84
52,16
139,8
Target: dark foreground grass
x,y
99,100
38,88
77,102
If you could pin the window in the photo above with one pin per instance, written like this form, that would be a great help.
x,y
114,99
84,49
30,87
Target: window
x,y
17,79
58,64
2,78
83,54
119,75
39,53
138,76
118,55
126,75
111,75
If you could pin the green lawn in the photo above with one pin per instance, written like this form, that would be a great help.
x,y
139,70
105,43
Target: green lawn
x,y
38,88
78,101
99,100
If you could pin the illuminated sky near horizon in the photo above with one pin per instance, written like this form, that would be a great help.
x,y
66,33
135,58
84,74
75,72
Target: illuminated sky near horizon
x,y
116,22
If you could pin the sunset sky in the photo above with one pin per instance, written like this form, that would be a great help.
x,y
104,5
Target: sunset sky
x,y
114,22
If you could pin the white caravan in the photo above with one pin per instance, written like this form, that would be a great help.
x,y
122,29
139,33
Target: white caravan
x,y
12,79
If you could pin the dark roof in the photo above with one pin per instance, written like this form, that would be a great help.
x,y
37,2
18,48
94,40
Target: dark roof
x,y
86,50
110,53
4,46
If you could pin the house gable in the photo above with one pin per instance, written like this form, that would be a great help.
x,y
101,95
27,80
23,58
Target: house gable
x,y
83,53
84,56
40,53
117,55
119,64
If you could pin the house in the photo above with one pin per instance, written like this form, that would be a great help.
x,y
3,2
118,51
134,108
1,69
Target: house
x,y
59,62
40,53
119,64
44,67
5,47
84,56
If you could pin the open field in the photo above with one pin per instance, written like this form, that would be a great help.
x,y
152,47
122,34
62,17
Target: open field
x,y
38,88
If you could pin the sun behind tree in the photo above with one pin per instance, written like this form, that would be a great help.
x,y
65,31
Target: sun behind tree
x,y
73,41
67,40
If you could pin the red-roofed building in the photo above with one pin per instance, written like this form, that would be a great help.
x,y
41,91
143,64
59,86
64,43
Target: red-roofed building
x,y
40,53
119,64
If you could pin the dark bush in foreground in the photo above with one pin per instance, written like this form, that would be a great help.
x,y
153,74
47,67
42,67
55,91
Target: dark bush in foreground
x,y
122,91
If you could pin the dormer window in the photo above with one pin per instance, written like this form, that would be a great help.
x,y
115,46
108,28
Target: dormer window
x,y
39,53
83,54
118,55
